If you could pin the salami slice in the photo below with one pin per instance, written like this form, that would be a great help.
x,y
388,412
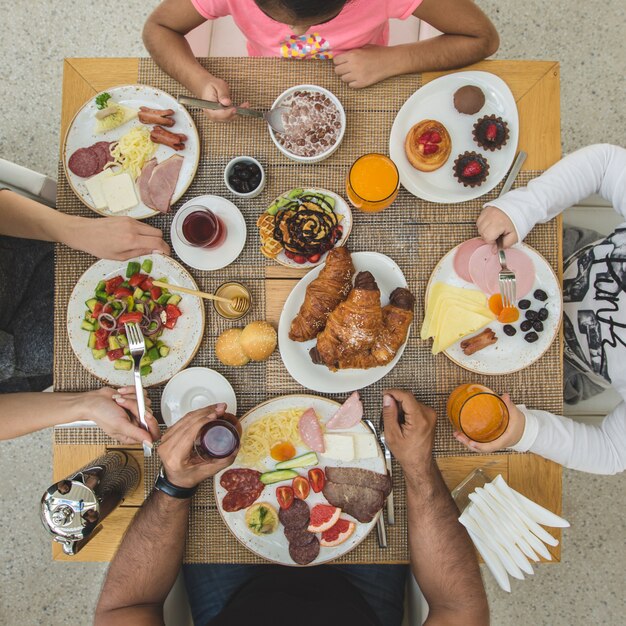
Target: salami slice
x,y
101,148
240,478
240,499
296,516
84,162
303,555
299,536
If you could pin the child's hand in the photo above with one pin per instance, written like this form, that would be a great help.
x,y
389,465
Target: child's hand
x,y
492,223
217,90
362,67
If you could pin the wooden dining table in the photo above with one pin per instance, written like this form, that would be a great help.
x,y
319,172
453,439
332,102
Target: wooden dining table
x,y
535,87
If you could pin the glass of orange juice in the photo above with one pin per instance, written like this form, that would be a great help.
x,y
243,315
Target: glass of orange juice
x,y
373,182
478,412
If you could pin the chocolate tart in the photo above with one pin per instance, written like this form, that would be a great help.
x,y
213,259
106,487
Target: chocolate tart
x,y
471,169
469,99
491,132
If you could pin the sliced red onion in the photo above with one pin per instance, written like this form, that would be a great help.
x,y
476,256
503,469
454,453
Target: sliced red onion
x,y
148,333
110,320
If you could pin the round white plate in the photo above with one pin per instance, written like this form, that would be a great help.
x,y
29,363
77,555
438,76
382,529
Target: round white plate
x,y
195,388
435,101
80,135
231,247
508,354
295,354
341,208
183,340
275,547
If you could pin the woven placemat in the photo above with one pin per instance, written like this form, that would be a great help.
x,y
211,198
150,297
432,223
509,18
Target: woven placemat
x,y
416,234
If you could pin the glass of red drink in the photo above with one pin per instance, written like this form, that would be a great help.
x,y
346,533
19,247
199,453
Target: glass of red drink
x,y
217,440
198,226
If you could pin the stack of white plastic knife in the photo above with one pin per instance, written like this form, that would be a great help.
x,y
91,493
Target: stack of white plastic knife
x,y
505,528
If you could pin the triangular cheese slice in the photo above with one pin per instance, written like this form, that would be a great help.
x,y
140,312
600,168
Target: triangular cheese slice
x,y
455,324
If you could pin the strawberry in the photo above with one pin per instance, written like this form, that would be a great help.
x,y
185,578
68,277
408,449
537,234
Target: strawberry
x,y
491,132
430,148
435,137
314,258
289,254
473,168
298,258
424,138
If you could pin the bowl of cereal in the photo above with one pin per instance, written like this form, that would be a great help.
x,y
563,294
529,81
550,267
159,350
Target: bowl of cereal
x,y
314,125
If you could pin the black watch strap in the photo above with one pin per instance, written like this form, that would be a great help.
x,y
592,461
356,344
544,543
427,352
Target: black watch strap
x,y
162,484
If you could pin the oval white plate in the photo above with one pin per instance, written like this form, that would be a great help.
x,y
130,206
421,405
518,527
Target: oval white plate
x,y
228,251
435,101
80,135
275,547
341,208
508,354
183,340
295,355
195,388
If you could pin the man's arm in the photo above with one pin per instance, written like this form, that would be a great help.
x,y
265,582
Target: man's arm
x,y
468,36
443,560
151,553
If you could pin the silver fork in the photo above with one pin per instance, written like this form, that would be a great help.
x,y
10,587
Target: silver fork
x,y
506,278
380,523
137,347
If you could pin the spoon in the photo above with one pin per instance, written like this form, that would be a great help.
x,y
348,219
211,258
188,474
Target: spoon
x,y
239,304
274,117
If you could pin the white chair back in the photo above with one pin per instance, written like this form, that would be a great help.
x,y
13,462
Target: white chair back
x,y
28,183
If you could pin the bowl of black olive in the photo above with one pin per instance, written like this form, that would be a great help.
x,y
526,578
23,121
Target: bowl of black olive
x,y
245,177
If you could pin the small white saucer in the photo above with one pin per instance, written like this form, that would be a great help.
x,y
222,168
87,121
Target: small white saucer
x,y
228,251
192,389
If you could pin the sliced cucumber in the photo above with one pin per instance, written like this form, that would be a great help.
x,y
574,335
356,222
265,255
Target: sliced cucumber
x,y
139,306
295,193
174,300
163,298
101,295
146,266
278,476
101,285
164,351
272,209
91,342
330,201
138,294
154,354
304,460
121,339
145,360
145,370
85,325
130,304
148,343
91,303
114,344
132,269
122,364
99,354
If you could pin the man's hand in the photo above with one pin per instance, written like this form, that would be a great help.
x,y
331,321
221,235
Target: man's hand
x,y
118,238
492,223
183,467
411,442
362,67
511,436
117,414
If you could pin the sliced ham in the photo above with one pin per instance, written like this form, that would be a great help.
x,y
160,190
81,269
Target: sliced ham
x,y
162,183
348,415
462,257
144,180
311,431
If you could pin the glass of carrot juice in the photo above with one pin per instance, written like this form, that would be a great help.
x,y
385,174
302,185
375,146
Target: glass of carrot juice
x,y
478,412
373,182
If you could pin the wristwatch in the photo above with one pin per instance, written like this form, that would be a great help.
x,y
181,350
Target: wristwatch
x,y
162,484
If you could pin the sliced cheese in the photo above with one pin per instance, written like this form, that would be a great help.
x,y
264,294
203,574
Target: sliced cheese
x,y
365,446
94,187
121,115
119,192
445,303
339,447
456,323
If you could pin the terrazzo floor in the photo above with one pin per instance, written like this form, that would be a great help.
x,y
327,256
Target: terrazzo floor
x,y
587,587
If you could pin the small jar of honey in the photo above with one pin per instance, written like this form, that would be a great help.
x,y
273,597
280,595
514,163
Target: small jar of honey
x,y
232,290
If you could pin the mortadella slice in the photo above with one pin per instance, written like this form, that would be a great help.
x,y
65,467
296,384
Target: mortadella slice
x,y
462,257
349,413
311,431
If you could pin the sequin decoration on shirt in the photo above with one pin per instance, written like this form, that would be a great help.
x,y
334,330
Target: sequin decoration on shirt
x,y
309,46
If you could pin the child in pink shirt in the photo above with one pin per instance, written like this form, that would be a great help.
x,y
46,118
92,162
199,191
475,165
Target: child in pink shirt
x,y
354,34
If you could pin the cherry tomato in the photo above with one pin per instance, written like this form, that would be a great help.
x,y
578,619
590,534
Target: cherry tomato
x,y
317,479
283,451
135,317
155,293
285,496
301,487
136,279
97,310
122,292
115,354
112,284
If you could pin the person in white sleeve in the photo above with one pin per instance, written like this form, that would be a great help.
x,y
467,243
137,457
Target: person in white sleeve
x,y
594,306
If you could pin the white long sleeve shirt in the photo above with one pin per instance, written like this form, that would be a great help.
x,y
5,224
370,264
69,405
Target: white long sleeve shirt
x,y
594,294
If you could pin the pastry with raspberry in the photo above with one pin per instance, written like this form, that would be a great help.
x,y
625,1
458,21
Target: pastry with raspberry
x,y
428,145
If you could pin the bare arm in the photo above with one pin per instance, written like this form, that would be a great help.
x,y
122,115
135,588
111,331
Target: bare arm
x,y
443,560
468,36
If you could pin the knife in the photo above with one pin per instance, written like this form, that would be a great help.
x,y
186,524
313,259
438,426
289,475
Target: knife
x,y
380,522
517,166
391,518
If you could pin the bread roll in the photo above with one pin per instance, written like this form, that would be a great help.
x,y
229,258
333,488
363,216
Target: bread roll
x,y
258,340
228,348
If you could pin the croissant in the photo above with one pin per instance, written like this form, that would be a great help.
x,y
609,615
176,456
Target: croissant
x,y
323,295
397,318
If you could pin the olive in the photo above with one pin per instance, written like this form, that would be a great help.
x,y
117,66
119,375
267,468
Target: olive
x,y
245,187
253,168
540,294
523,304
235,182
255,180
244,174
531,315
509,330
238,168
531,337
538,326
543,314
526,325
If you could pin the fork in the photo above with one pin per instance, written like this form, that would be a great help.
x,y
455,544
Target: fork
x,y
506,278
380,523
137,347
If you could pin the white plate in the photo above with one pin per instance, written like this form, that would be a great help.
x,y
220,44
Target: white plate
x,y
435,101
341,208
195,388
228,251
295,354
80,135
275,547
183,340
508,354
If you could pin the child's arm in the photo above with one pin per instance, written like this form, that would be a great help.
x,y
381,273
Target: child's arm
x,y
468,36
164,37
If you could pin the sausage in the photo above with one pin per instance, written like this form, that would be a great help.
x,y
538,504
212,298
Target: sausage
x,y
303,555
162,112
298,536
101,149
84,162
154,116
478,342
167,138
234,479
240,498
296,516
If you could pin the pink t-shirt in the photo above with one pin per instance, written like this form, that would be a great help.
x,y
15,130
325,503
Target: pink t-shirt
x,y
360,22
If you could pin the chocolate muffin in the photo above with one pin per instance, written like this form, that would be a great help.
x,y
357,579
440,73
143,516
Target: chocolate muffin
x,y
469,99
491,132
471,169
